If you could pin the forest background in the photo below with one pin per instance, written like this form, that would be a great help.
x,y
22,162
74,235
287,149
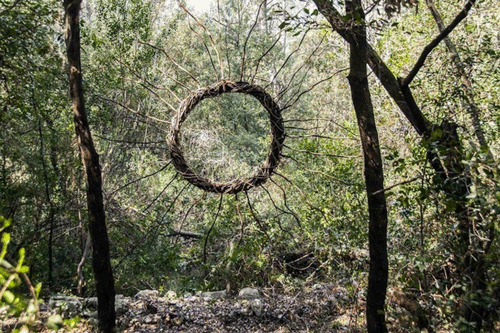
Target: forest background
x,y
309,223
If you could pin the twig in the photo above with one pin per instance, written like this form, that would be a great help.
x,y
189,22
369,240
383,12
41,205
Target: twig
x,y
141,178
320,154
399,184
210,230
159,194
242,70
259,222
174,62
427,50
263,55
209,36
132,110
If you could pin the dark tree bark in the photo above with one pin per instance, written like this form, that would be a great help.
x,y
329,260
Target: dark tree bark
x,y
354,32
97,223
374,174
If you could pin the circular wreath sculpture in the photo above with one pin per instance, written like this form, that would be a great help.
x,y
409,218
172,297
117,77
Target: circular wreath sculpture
x,y
238,184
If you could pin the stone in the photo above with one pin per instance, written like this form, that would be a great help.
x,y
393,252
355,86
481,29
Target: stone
x,y
212,295
249,293
256,306
121,304
90,314
67,305
90,303
171,294
146,294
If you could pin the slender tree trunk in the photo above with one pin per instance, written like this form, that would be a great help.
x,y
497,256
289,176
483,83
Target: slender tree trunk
x,y
374,175
97,224
79,270
361,54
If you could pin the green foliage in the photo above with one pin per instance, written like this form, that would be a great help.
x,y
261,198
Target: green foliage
x,y
11,281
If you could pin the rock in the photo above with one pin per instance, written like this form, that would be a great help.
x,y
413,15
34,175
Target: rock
x,y
90,303
256,306
121,304
211,295
249,293
149,320
171,294
146,294
67,305
89,314
54,322
93,322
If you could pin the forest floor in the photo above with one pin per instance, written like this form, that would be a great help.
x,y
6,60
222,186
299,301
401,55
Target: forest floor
x,y
324,308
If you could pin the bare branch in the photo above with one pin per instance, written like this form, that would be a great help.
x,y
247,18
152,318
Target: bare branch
x,y
311,88
320,154
399,184
174,62
141,178
242,70
159,194
262,227
133,111
210,230
219,59
288,58
185,234
432,45
263,55
208,52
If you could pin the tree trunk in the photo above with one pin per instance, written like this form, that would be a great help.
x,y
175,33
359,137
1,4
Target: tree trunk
x,y
97,223
374,175
361,54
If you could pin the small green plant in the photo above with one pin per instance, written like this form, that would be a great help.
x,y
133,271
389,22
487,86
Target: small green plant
x,y
11,280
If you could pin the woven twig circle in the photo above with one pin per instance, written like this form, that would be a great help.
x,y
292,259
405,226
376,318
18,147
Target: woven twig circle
x,y
238,184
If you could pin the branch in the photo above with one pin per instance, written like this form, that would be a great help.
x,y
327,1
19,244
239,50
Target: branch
x,y
210,230
132,110
399,184
209,36
428,49
173,61
185,234
383,73
242,70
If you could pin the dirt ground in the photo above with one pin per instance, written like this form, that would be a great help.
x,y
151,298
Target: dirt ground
x,y
324,308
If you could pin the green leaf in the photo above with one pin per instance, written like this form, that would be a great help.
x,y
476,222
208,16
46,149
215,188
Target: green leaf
x,y
23,269
283,24
72,322
9,296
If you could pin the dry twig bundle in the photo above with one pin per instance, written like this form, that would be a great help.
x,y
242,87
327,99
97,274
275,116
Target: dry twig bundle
x,y
238,184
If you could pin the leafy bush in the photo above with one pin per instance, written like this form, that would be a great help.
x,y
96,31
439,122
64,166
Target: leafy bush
x,y
13,302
